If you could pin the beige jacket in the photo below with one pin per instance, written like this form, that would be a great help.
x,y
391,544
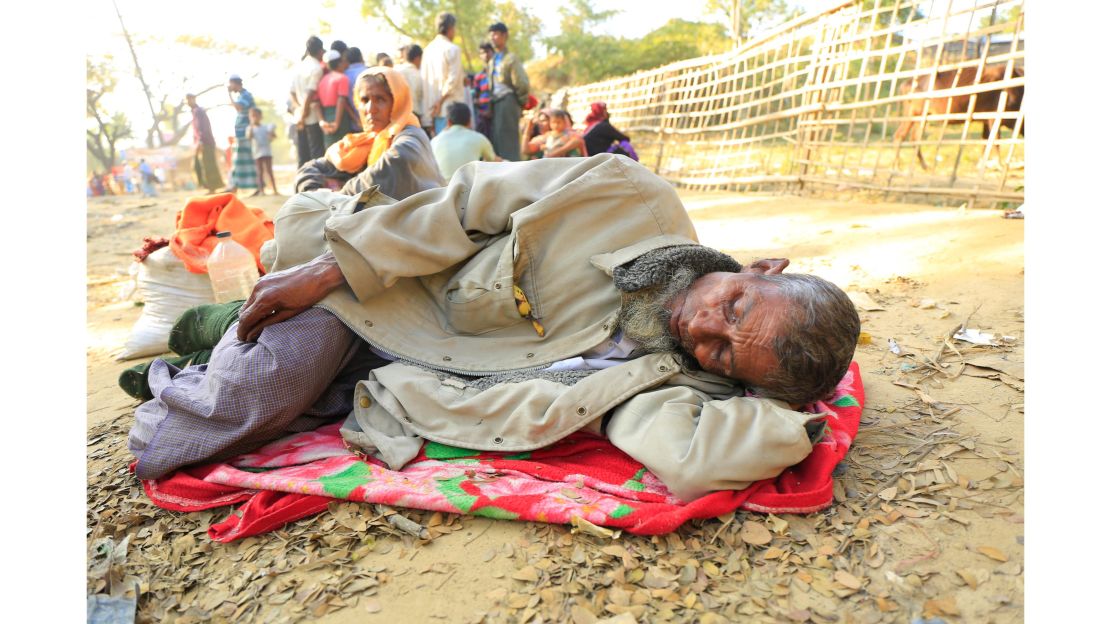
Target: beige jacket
x,y
431,282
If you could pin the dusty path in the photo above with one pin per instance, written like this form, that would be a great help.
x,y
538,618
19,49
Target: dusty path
x,y
930,518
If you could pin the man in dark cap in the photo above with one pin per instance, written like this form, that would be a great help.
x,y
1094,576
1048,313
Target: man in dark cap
x,y
306,104
509,83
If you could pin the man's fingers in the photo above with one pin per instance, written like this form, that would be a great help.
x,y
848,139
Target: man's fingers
x,y
270,320
252,312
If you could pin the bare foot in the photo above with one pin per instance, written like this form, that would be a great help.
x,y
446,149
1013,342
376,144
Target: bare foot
x,y
256,193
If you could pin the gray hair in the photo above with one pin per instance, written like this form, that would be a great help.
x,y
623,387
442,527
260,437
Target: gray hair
x,y
817,341
444,21
378,77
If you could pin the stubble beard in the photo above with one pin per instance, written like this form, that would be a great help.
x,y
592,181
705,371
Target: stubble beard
x,y
645,314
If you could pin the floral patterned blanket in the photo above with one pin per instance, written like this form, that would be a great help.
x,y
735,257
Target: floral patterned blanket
x,y
582,476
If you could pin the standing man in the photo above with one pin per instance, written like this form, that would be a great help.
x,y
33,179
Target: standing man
x,y
334,92
356,65
411,58
148,179
242,164
204,156
442,72
510,92
483,93
306,104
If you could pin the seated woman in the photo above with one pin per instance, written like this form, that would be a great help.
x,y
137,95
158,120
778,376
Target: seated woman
x,y
600,136
560,141
540,123
394,153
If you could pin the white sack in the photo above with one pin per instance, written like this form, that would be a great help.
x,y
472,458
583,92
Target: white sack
x,y
167,289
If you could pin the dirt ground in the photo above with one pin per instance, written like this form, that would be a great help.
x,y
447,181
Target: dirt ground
x,y
928,519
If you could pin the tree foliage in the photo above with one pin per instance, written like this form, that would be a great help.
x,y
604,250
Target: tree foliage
x,y
754,14
997,17
415,20
589,57
104,128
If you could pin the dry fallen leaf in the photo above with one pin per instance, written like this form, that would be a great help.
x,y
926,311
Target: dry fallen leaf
x,y
527,574
581,615
864,301
581,525
846,579
623,618
941,606
994,553
755,533
885,605
800,615
974,577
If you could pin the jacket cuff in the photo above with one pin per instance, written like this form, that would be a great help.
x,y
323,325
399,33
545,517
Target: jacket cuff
x,y
360,276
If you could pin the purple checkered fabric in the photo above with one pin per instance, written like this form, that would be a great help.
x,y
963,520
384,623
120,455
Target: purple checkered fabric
x,y
300,375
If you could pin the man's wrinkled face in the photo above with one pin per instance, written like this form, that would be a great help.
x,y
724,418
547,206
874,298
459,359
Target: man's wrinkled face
x,y
728,322
375,102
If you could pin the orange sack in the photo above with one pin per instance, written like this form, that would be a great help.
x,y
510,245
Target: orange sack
x,y
200,219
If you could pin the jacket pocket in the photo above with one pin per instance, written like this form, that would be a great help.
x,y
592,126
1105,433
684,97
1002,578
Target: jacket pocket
x,y
479,297
481,308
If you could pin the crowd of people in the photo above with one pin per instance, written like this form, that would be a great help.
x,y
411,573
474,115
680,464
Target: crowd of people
x,y
438,117
128,178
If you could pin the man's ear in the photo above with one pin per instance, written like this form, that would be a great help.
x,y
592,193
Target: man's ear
x,y
770,266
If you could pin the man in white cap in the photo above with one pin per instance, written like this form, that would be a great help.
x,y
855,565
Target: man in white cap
x,y
335,99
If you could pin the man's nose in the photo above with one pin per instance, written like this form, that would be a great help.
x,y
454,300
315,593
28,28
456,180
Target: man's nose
x,y
705,326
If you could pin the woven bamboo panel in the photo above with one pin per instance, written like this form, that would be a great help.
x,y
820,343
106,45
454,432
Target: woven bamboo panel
x,y
901,96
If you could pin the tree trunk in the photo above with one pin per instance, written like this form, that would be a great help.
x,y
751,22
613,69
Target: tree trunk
x,y
139,73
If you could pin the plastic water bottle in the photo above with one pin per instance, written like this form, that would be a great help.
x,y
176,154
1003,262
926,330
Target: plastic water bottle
x,y
232,270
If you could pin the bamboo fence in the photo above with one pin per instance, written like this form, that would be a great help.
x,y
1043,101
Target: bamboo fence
x,y
817,104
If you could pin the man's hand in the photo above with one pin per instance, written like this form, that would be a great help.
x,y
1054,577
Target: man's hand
x,y
767,266
287,293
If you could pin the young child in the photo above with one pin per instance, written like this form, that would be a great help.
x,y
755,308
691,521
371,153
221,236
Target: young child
x,y
260,135
560,140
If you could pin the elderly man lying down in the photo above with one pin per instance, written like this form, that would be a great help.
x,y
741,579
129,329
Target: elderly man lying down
x,y
518,304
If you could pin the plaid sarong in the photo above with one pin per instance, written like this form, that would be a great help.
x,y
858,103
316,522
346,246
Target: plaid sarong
x,y
243,172
300,375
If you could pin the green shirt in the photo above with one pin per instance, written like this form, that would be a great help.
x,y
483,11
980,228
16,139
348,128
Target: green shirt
x,y
458,145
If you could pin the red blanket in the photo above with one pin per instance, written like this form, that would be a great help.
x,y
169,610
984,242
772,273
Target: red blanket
x,y
582,475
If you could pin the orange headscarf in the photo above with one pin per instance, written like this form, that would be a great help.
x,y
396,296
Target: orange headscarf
x,y
357,150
